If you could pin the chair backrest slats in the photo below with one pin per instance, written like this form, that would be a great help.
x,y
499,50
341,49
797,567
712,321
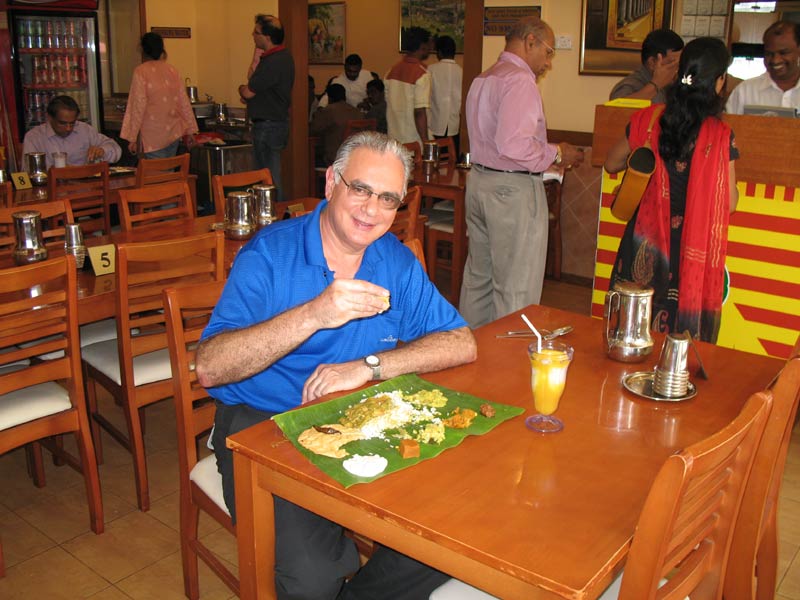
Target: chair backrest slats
x,y
151,171
687,522
85,189
404,225
155,204
356,125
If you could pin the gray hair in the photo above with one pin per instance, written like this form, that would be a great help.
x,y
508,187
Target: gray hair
x,y
377,142
527,26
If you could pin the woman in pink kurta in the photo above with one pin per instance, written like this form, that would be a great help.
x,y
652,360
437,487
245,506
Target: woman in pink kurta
x,y
159,113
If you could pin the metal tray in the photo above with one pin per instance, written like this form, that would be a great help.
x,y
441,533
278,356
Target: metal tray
x,y
641,384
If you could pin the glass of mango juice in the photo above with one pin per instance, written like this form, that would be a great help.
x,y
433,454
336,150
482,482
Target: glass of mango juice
x,y
549,365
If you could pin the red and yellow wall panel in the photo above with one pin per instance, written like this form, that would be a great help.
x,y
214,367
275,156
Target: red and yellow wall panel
x,y
761,311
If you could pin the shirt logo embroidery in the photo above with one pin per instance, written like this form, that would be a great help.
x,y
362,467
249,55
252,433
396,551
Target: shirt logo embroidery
x,y
390,339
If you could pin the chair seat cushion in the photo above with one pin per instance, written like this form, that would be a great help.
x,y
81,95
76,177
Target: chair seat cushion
x,y
99,331
445,206
147,368
443,226
206,476
458,590
31,403
435,216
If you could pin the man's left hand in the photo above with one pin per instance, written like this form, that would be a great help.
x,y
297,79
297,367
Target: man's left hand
x,y
95,154
335,378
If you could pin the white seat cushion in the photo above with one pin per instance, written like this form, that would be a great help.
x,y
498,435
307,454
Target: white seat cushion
x,y
14,366
458,590
31,403
208,479
99,331
436,216
443,226
445,205
147,368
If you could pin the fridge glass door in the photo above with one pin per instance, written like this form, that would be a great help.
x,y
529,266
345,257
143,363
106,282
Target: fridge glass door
x,y
56,55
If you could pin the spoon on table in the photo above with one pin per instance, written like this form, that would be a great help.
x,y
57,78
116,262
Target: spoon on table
x,y
550,335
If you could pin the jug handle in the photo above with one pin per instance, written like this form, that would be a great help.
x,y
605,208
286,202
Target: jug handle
x,y
607,310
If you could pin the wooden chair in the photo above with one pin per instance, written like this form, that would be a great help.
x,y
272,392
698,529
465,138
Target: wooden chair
x,y
39,400
150,171
415,246
6,194
155,204
439,236
222,184
356,125
286,209
753,564
54,215
404,225
416,151
447,151
686,524
85,190
134,368
552,188
188,309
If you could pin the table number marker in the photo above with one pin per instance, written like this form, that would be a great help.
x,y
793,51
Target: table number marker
x,y
104,259
21,181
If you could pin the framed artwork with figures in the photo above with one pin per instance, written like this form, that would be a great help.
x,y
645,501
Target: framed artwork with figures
x,y
326,33
612,32
439,17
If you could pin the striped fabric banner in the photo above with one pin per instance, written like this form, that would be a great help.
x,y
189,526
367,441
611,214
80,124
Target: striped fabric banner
x,y
761,310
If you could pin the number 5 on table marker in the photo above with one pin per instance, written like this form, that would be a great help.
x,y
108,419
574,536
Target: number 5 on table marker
x,y
104,259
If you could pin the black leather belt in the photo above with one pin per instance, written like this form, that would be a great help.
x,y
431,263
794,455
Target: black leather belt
x,y
504,171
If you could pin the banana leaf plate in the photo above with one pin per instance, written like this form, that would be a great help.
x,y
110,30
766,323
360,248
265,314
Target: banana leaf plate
x,y
294,422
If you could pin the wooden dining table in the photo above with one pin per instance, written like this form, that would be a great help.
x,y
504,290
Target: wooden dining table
x,y
96,294
516,513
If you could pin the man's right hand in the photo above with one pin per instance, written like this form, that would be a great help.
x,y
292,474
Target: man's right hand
x,y
665,69
571,156
348,299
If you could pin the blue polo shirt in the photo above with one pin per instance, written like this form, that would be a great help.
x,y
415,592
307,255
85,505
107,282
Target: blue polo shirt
x,y
283,266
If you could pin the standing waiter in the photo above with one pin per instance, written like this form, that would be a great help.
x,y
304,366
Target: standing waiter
x,y
506,206
267,95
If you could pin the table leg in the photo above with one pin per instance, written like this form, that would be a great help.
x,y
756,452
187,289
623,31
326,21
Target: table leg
x,y
255,532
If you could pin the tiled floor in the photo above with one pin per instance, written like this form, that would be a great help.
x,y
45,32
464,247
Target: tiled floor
x,y
51,553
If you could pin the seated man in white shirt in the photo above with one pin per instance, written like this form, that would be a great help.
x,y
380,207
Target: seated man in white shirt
x,y
780,85
62,132
354,79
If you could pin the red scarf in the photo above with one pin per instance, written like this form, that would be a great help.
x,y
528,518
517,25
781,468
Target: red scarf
x,y
705,225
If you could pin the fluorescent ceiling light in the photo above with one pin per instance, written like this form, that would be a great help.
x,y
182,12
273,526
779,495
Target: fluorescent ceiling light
x,y
756,7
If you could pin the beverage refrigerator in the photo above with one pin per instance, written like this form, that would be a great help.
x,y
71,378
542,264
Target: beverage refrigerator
x,y
55,51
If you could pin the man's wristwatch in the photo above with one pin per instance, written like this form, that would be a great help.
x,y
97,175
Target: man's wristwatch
x,y
559,158
374,363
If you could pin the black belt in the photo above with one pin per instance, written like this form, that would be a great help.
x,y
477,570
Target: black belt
x,y
504,171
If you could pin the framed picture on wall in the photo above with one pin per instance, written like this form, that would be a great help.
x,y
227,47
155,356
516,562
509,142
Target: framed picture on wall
x,y
612,32
439,17
326,33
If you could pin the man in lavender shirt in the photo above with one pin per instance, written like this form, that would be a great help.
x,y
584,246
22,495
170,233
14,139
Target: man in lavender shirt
x,y
506,206
64,133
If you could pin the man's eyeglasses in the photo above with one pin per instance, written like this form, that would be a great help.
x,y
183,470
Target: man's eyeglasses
x,y
551,52
386,200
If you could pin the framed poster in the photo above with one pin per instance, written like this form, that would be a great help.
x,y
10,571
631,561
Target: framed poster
x,y
612,32
439,17
326,33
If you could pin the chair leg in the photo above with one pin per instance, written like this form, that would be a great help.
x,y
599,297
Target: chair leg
x,y
90,389
58,455
91,476
767,561
2,561
33,457
137,451
190,516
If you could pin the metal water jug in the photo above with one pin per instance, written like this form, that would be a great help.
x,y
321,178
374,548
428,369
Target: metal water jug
x,y
37,168
240,218
28,230
264,197
627,322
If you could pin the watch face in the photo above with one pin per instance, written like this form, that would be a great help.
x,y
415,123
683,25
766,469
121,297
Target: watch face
x,y
372,361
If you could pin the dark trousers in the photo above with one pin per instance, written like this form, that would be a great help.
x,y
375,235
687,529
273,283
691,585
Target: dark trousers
x,y
269,139
312,554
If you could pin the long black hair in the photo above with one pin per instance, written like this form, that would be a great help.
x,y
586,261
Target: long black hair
x,y
693,97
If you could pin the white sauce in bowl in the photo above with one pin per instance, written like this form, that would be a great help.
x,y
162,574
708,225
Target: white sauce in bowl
x,y
365,466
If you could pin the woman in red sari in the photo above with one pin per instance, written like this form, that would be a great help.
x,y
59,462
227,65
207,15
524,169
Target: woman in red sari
x,y
676,241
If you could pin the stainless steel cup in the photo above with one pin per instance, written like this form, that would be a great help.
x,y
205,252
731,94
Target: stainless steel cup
x,y
430,152
37,168
3,177
264,197
28,231
59,159
73,243
240,217
466,158
671,379
428,167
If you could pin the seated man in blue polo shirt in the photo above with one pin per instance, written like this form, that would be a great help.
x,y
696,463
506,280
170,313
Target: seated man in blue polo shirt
x,y
316,305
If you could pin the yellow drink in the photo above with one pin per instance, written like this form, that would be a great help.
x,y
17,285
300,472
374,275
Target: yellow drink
x,y
549,374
